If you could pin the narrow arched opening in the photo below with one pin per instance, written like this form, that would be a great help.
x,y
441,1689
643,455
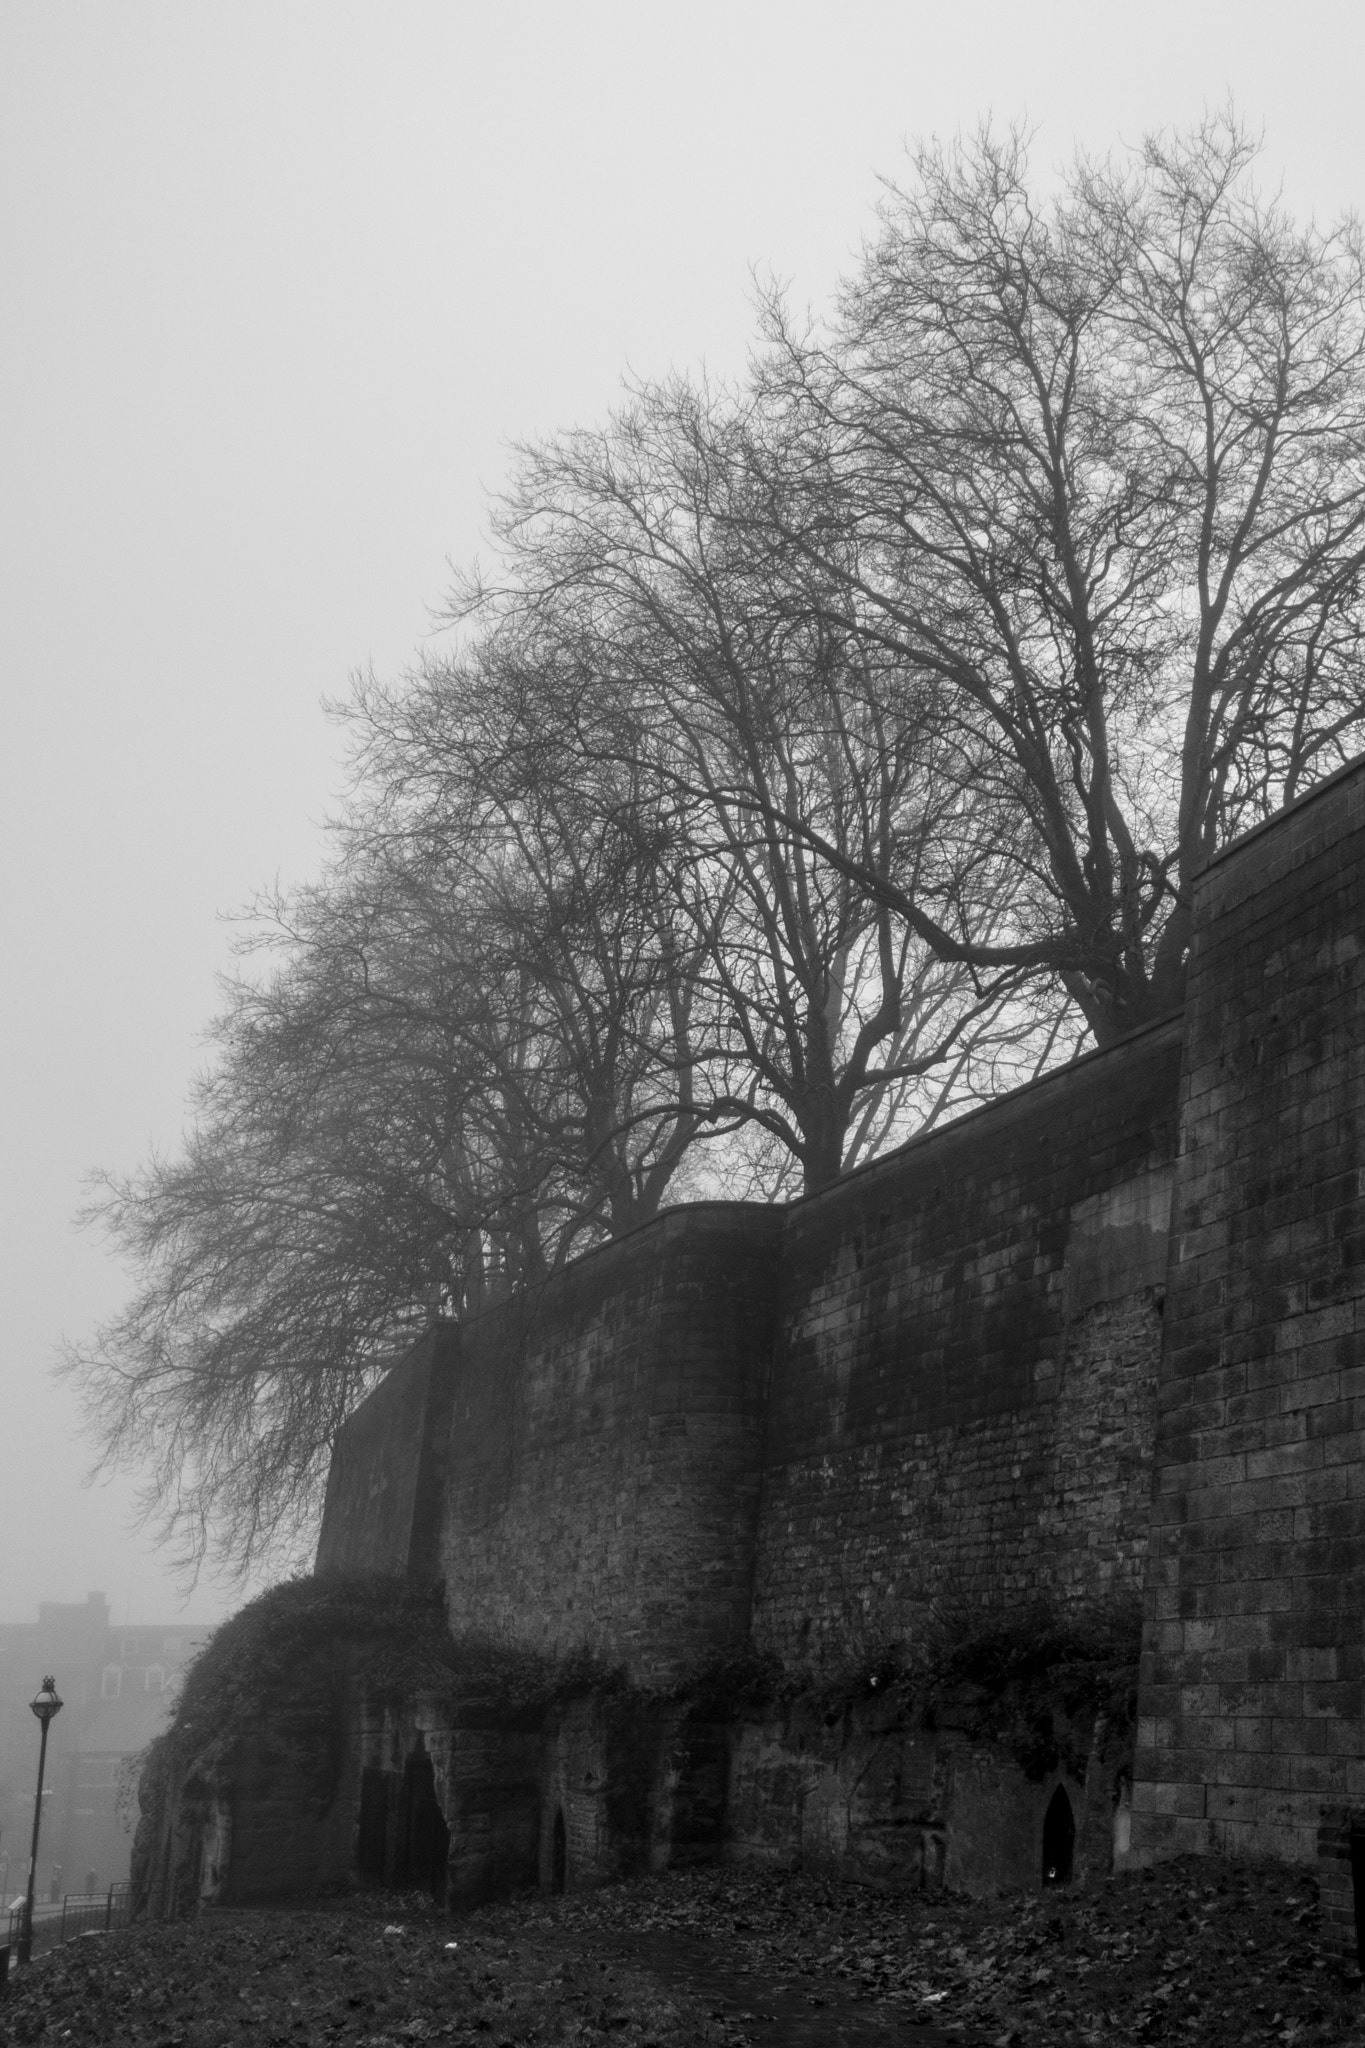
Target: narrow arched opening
x,y
559,1854
1059,1839
1358,1887
372,1834
423,1847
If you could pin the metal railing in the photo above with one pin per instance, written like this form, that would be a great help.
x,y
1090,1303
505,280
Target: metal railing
x,y
79,1913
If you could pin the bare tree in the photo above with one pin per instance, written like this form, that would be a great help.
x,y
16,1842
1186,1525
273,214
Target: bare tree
x,y
823,755
302,1232
466,763
440,1091
1102,460
793,760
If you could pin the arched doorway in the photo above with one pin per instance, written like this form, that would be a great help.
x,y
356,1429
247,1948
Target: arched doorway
x,y
422,1849
1059,1839
372,1836
559,1854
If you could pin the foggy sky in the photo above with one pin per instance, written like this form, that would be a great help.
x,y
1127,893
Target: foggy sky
x,y
278,284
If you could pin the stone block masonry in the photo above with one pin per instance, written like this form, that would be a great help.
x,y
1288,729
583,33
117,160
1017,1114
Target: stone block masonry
x,y
606,1446
385,1503
791,1427
1251,1716
1104,1334
963,1394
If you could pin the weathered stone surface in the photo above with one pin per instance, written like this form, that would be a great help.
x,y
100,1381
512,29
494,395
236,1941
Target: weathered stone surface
x,y
258,1817
606,1448
963,1393
986,1366
1254,1654
895,1803
939,1375
385,1503
485,1776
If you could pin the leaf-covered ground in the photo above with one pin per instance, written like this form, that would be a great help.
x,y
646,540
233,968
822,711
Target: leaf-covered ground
x,y
1203,1952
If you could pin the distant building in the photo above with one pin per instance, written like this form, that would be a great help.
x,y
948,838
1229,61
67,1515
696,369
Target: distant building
x,y
116,1685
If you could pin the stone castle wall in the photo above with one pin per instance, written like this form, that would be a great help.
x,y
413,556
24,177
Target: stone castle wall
x,y
988,1365
606,1448
1254,1655
386,1486
938,1377
964,1386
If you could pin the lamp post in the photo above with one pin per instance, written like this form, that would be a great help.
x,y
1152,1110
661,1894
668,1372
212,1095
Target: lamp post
x,y
46,1706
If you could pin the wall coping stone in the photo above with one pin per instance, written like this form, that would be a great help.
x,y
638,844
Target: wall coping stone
x,y
1001,1109
1355,766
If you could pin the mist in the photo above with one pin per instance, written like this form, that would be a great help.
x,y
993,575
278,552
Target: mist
x,y
283,283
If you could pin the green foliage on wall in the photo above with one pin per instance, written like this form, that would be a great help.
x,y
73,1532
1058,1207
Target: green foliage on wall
x,y
1034,1678
280,1640
392,1640
1028,1678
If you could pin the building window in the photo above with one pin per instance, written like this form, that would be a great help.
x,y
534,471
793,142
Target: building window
x,y
111,1682
155,1679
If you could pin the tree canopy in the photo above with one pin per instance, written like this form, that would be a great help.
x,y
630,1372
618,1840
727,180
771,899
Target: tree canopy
x,y
1096,466
816,757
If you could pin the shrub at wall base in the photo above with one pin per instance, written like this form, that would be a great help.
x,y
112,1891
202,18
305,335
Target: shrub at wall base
x,y
356,1743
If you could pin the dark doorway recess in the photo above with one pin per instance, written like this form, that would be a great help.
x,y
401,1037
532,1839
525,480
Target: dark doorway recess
x,y
559,1854
422,1850
1059,1839
372,1841
1358,1887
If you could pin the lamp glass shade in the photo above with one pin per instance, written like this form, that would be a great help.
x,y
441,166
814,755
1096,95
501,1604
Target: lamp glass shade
x,y
46,1703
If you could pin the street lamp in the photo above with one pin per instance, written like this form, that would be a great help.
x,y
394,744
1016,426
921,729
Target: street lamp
x,y
46,1705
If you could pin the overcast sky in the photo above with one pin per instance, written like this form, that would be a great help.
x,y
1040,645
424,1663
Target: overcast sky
x,y
278,284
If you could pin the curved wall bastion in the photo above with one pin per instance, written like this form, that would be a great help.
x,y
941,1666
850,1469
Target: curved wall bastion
x,y
775,1475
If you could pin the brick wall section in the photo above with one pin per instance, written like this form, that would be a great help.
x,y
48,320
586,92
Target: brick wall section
x,y
963,1395
386,1481
1254,1653
605,1447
